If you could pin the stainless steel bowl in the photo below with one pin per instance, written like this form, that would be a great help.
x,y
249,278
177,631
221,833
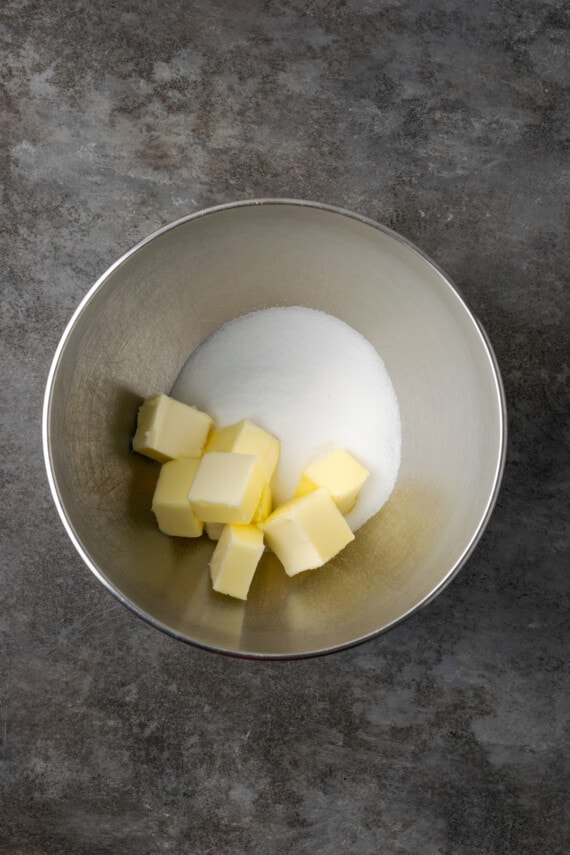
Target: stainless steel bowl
x,y
135,329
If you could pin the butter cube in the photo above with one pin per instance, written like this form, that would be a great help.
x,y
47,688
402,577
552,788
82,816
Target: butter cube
x,y
247,438
170,503
264,507
214,530
235,560
307,531
168,430
227,487
340,473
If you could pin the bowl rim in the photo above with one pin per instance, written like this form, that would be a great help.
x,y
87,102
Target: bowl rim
x,y
499,389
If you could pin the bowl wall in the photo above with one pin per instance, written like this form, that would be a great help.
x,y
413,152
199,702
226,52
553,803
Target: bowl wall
x,y
133,333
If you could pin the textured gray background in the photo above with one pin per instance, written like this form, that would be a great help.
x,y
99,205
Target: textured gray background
x,y
443,119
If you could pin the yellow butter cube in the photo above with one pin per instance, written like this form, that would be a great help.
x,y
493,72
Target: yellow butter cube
x,y
168,430
227,487
247,438
340,473
306,532
264,507
214,530
235,560
170,503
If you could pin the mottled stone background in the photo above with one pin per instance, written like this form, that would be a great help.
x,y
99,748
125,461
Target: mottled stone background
x,y
445,119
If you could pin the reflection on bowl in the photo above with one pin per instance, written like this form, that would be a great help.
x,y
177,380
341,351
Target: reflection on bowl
x,y
135,330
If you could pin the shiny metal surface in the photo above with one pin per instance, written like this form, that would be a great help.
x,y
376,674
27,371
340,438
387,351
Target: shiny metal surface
x,y
135,329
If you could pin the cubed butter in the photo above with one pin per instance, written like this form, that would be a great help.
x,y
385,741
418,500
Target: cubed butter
x,y
170,503
214,530
227,487
264,507
247,438
235,560
168,430
306,532
340,473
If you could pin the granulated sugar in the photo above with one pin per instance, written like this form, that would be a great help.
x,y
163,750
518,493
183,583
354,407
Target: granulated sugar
x,y
313,382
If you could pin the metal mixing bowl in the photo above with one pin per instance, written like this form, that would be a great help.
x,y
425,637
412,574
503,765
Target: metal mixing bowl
x,y
132,334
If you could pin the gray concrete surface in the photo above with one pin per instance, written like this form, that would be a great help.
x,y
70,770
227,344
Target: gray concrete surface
x,y
446,120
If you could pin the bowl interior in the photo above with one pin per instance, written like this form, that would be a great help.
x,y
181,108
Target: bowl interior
x,y
131,337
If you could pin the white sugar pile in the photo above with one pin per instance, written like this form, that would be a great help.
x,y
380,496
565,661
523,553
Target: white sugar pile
x,y
313,382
